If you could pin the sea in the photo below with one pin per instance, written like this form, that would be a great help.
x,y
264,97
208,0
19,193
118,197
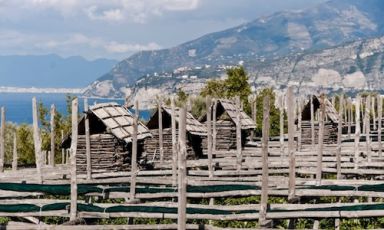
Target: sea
x,y
18,106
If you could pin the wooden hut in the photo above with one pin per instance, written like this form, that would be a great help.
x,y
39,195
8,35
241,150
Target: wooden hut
x,y
226,116
195,133
330,124
110,138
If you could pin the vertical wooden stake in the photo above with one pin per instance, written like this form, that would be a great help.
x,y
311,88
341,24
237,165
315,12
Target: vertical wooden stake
x,y
312,123
2,139
174,143
214,131
368,127
238,134
14,155
291,148
350,120
357,132
209,134
37,140
161,147
53,128
380,117
264,183
87,140
373,108
282,123
73,211
132,191
299,116
182,172
339,133
320,141
62,150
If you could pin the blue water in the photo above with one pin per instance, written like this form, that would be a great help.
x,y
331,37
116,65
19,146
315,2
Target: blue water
x,y
18,106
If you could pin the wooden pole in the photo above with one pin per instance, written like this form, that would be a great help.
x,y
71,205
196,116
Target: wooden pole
x,y
312,123
373,108
357,132
2,139
14,155
132,191
350,118
299,117
320,141
209,135
291,149
87,140
282,123
380,117
339,133
368,127
53,128
214,131
161,146
62,150
264,183
73,210
174,143
182,172
37,140
238,134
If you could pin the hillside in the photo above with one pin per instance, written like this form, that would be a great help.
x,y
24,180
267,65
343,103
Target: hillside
x,y
50,71
266,39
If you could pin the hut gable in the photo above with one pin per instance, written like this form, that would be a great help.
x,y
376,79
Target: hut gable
x,y
193,126
228,107
330,110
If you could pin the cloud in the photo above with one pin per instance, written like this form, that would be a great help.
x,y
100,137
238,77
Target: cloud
x,y
138,11
69,45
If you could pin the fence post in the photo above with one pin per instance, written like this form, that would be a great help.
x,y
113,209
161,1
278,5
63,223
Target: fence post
x,y
281,123
73,210
209,134
53,127
14,155
37,140
182,172
264,183
339,133
87,140
321,139
238,134
368,127
299,118
2,139
380,117
291,148
312,123
174,143
132,190
161,147
357,132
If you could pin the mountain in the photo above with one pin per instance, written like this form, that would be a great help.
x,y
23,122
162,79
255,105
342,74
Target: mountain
x,y
50,71
266,39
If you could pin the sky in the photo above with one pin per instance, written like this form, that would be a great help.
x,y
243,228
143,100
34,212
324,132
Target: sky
x,y
116,29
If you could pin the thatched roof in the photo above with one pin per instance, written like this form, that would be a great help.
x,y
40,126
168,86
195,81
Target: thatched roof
x,y
229,107
330,110
193,126
119,121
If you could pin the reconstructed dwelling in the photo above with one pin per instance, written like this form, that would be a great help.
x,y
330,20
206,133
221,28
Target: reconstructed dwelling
x,y
195,133
111,128
330,125
226,114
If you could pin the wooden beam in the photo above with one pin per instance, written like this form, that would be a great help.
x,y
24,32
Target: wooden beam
x,y
339,135
264,183
2,139
73,210
174,143
182,172
367,119
37,140
161,145
53,144
379,125
132,187
357,132
291,148
209,134
312,123
87,140
319,169
238,134
281,110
